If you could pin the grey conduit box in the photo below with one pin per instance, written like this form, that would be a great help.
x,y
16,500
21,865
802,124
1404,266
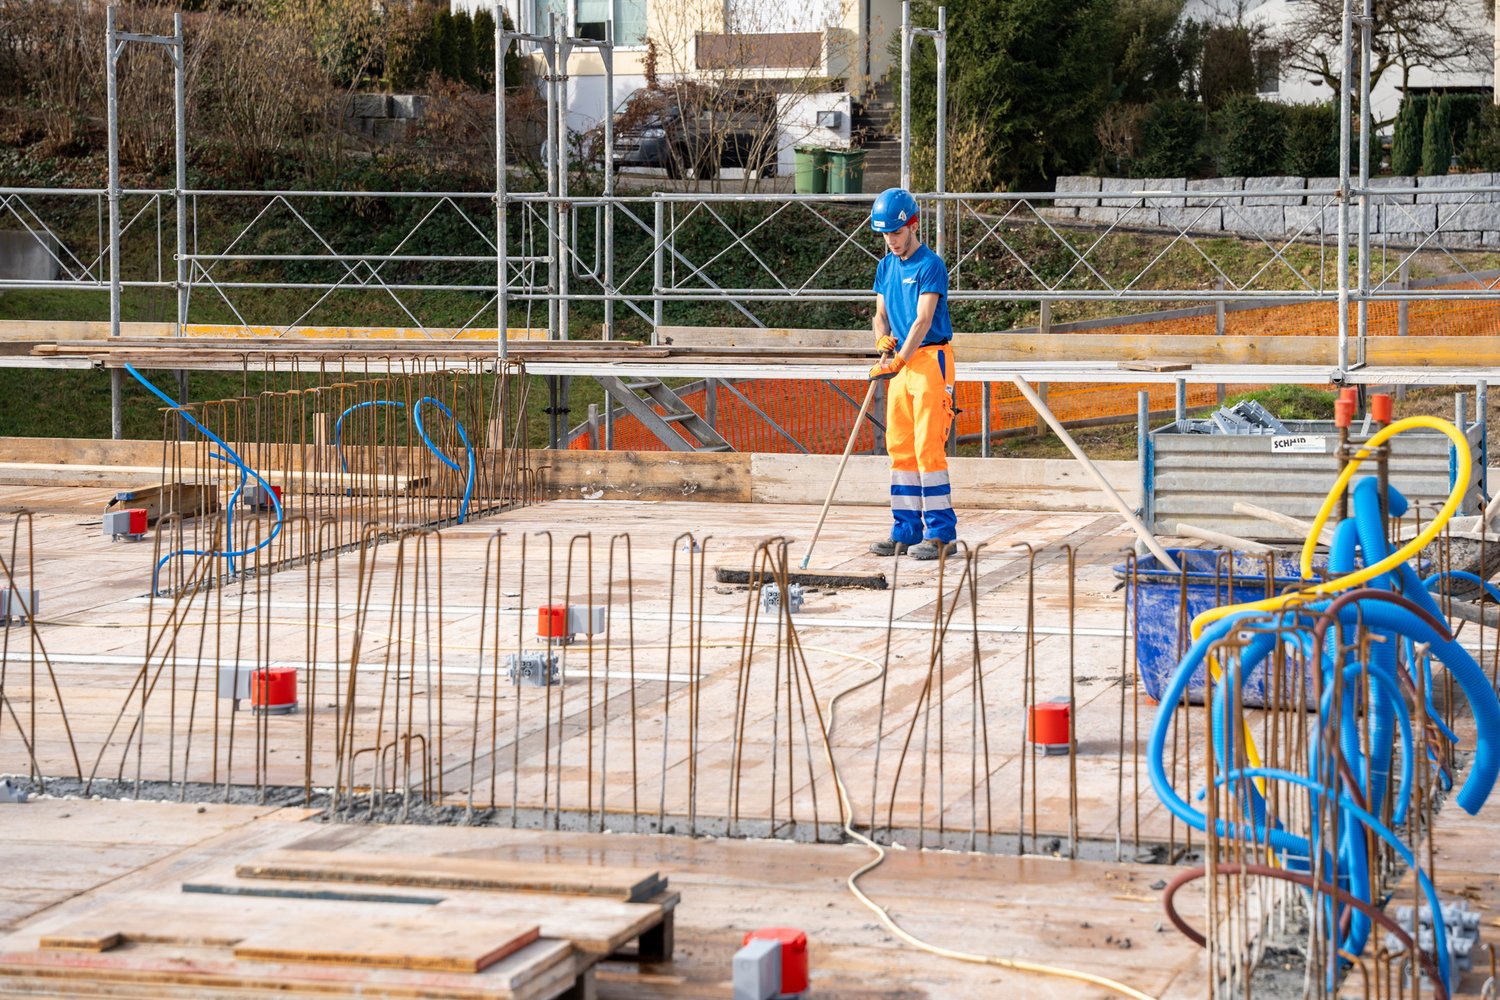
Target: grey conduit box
x,y
19,608
757,970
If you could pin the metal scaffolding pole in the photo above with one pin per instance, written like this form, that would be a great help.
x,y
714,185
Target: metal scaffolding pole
x,y
906,95
178,50
112,99
1345,111
179,114
940,173
1366,25
502,279
553,141
562,210
607,51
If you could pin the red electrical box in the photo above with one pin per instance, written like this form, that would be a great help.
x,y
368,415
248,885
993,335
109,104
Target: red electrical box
x,y
1050,724
793,955
274,690
552,621
138,518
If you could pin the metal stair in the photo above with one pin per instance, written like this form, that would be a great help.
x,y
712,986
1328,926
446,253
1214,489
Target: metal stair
x,y
678,426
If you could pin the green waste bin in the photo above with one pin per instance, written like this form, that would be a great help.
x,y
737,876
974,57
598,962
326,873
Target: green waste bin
x,y
812,170
846,171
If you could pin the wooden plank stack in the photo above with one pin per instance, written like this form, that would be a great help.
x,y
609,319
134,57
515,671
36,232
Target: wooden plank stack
x,y
309,355
334,923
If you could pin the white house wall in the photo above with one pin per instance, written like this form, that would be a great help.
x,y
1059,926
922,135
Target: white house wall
x,y
799,126
1296,88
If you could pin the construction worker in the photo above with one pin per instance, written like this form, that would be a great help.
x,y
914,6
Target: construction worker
x,y
913,334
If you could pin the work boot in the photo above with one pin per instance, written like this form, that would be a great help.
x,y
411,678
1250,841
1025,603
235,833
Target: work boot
x,y
888,547
931,548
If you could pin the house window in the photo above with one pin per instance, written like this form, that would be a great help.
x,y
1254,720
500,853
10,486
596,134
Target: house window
x,y
1268,70
541,16
629,16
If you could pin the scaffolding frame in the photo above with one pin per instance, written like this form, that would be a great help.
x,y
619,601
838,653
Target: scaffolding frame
x,y
549,247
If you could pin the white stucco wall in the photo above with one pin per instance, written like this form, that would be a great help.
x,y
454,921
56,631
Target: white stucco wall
x,y
1385,99
799,126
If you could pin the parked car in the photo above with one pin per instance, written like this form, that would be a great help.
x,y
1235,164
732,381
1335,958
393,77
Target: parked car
x,y
693,130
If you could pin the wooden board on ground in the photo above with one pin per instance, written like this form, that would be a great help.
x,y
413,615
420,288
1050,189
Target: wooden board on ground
x,y
187,499
594,924
539,971
626,884
815,577
421,941
82,937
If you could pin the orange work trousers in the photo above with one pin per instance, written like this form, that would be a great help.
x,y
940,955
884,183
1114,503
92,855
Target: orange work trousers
x,y
918,416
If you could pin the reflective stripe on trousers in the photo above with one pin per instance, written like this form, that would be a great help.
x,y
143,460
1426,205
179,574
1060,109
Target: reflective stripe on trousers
x,y
918,415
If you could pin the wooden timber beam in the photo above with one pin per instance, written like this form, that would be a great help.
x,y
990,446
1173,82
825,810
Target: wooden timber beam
x,y
1413,352
734,477
42,331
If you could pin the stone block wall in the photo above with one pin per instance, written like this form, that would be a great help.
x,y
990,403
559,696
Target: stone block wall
x,y
384,117
1302,208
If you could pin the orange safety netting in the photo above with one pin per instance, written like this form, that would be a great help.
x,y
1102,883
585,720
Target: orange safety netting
x,y
820,419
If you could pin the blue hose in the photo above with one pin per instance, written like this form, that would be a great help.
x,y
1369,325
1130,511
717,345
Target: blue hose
x,y
416,416
1372,684
233,458
1316,792
1458,574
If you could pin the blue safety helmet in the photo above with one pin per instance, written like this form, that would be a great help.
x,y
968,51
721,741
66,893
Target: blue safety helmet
x,y
893,208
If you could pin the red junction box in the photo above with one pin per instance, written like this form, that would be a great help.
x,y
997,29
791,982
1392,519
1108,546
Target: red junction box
x,y
552,621
138,518
793,955
274,689
1049,725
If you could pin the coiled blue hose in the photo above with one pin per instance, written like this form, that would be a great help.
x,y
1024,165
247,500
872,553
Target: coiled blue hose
x,y
232,457
1376,682
416,415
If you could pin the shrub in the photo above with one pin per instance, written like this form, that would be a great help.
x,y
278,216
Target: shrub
x,y
1482,150
1437,139
1119,134
1312,140
1171,140
1249,137
1406,139
1463,115
1228,66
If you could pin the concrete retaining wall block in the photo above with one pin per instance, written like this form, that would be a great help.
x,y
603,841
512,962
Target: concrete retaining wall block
x,y
1274,190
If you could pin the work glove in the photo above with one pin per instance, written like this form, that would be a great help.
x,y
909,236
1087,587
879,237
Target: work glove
x,y
887,345
886,367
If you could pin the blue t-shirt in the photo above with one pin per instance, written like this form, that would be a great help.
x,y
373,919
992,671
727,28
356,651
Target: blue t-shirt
x,y
900,282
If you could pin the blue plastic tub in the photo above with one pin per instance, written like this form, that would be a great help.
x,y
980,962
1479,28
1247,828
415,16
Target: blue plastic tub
x,y
1155,598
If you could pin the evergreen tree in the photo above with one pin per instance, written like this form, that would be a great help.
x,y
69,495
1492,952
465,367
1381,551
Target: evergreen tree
x,y
484,47
513,64
1035,72
445,44
1406,140
468,53
1437,138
